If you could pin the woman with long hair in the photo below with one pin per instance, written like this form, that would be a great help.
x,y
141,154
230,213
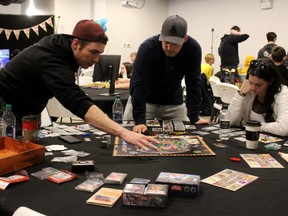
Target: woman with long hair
x,y
262,97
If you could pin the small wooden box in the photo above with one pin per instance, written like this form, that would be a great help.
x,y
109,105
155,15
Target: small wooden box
x,y
18,154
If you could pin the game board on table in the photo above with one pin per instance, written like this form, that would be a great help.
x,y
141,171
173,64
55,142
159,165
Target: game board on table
x,y
183,145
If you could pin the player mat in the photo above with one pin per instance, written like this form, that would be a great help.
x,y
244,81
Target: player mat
x,y
170,146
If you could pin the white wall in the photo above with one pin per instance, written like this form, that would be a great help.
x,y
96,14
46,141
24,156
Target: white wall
x,y
124,26
203,15
132,26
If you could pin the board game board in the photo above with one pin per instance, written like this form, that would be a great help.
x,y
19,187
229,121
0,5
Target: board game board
x,y
184,145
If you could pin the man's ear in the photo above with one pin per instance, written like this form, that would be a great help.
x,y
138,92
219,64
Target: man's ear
x,y
74,43
185,38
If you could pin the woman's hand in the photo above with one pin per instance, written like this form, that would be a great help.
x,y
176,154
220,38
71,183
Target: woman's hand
x,y
245,87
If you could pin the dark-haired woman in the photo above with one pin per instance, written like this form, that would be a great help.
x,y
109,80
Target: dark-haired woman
x,y
262,97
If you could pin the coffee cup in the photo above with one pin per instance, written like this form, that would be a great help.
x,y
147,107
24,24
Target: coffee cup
x,y
252,134
30,127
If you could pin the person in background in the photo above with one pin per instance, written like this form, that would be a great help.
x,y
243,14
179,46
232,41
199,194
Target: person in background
x,y
246,64
278,56
286,61
229,52
14,53
207,67
155,87
263,98
266,50
47,69
125,72
133,56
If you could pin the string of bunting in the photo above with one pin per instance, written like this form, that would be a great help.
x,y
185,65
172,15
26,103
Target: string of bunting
x,y
16,32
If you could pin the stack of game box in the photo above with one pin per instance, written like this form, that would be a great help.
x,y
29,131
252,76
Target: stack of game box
x,y
185,184
154,195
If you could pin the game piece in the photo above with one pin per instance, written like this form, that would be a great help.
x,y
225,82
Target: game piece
x,y
234,159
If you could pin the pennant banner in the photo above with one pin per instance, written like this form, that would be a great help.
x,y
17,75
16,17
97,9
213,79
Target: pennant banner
x,y
27,31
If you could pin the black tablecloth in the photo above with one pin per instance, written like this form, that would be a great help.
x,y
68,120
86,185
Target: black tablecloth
x,y
265,196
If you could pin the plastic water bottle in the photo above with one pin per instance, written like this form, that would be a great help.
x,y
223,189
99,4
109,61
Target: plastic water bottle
x,y
2,127
117,110
10,120
224,129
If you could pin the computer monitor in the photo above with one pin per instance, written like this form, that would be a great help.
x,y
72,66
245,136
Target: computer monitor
x,y
107,69
4,57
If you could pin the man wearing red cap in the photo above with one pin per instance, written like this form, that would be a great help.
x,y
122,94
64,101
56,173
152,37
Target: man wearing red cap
x,y
161,64
47,69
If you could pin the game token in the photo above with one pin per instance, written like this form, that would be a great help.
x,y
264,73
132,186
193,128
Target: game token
x,y
235,159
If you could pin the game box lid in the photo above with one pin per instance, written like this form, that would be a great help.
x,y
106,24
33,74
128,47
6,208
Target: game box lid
x,y
18,154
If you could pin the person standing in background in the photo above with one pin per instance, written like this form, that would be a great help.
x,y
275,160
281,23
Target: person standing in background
x,y
266,50
229,51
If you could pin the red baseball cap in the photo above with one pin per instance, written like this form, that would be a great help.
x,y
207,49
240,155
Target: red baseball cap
x,y
89,30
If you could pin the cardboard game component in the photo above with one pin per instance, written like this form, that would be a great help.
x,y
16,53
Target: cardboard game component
x,y
18,154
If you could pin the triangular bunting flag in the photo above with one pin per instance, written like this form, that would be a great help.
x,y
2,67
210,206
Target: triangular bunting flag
x,y
8,33
1,30
27,32
17,33
35,29
43,26
49,22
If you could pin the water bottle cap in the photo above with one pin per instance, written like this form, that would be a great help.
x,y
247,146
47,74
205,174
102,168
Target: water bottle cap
x,y
8,107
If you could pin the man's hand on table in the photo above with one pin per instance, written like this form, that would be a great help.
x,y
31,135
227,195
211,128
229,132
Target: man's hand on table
x,y
139,139
203,121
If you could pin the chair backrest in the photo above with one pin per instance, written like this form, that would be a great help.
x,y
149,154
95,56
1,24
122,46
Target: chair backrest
x,y
56,109
213,83
45,118
227,91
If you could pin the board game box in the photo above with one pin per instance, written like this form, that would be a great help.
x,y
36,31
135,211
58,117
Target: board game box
x,y
178,183
182,145
154,195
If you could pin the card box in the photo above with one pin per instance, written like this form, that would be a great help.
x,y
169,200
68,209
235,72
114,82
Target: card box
x,y
18,154
178,183
82,165
115,178
106,197
154,195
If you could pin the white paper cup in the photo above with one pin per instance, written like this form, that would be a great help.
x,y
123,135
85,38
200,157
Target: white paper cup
x,y
252,134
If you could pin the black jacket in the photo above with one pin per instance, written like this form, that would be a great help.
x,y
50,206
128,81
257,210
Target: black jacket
x,y
38,73
228,49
